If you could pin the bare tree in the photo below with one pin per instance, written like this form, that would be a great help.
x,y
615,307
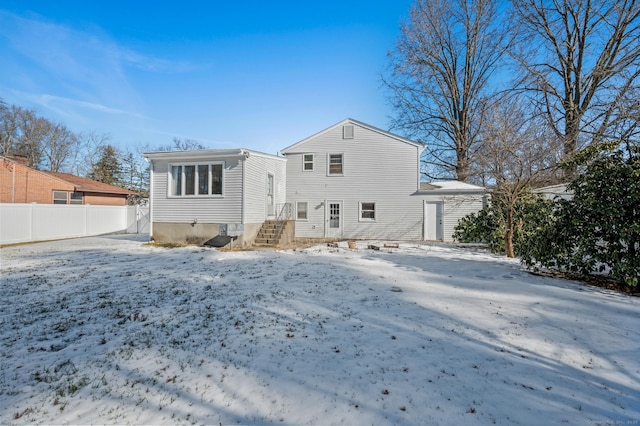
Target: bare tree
x,y
32,130
9,128
87,151
440,72
581,59
517,153
57,144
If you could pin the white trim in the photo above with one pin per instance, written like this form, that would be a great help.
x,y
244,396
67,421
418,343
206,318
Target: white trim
x,y
327,224
375,213
313,160
183,183
306,211
357,123
329,154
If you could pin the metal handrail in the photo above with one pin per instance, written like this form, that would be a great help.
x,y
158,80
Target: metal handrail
x,y
284,213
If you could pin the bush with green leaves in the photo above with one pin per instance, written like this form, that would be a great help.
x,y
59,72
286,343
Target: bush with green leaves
x,y
488,226
598,231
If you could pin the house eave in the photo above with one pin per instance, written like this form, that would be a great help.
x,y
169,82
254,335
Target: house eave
x,y
199,154
291,149
450,191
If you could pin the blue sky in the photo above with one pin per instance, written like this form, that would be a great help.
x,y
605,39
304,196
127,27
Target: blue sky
x,y
253,74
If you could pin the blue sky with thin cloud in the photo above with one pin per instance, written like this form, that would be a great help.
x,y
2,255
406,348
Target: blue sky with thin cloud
x,y
259,75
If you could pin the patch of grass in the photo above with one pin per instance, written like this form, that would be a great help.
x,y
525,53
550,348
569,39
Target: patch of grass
x,y
23,413
167,245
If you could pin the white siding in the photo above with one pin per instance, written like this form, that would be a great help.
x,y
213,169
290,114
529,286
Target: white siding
x,y
456,206
226,209
377,168
257,167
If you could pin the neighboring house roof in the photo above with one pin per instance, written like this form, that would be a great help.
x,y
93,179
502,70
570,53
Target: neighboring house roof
x,y
450,186
357,123
201,154
88,185
553,191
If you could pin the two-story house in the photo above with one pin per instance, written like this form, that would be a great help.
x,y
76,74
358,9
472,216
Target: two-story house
x,y
349,181
353,180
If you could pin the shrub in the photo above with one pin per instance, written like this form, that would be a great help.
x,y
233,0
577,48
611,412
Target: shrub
x,y
488,226
598,231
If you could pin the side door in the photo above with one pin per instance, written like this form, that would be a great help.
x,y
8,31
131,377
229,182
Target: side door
x,y
433,220
333,219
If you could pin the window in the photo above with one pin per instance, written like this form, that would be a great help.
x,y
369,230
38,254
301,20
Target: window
x,y
195,179
307,162
335,164
176,180
76,198
203,179
367,211
216,179
347,132
59,197
301,210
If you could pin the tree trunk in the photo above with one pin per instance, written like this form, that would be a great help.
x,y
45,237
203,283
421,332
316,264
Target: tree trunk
x,y
508,234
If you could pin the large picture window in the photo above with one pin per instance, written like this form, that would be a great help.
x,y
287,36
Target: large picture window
x,y
196,179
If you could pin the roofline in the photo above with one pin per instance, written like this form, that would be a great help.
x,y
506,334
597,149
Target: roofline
x,y
76,187
359,123
42,172
200,154
451,191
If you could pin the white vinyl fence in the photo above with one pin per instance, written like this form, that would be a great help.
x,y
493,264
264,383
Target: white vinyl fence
x,y
21,223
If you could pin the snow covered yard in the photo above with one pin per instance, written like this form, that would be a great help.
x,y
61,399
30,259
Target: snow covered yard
x,y
109,330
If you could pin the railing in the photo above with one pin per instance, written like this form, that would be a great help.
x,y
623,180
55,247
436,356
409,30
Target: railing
x,y
285,212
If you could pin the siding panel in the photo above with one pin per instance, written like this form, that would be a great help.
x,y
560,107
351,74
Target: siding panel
x,y
257,169
227,209
377,168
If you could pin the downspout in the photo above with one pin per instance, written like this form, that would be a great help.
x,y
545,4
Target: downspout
x,y
151,173
244,189
13,183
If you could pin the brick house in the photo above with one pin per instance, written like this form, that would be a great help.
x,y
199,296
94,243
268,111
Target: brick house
x,y
22,184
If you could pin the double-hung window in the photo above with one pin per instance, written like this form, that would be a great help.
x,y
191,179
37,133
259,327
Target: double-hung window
x,y
60,197
76,197
336,164
301,210
307,162
196,179
367,212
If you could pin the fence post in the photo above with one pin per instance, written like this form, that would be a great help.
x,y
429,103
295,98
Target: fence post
x,y
32,222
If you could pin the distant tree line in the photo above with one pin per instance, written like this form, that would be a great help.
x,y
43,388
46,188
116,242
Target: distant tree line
x,y
46,145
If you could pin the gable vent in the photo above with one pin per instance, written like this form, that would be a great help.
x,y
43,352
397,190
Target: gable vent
x,y
347,132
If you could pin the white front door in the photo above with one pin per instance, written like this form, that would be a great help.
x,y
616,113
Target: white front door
x,y
270,186
333,225
433,226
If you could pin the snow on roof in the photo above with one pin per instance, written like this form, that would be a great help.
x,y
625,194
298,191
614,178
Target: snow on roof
x,y
449,185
